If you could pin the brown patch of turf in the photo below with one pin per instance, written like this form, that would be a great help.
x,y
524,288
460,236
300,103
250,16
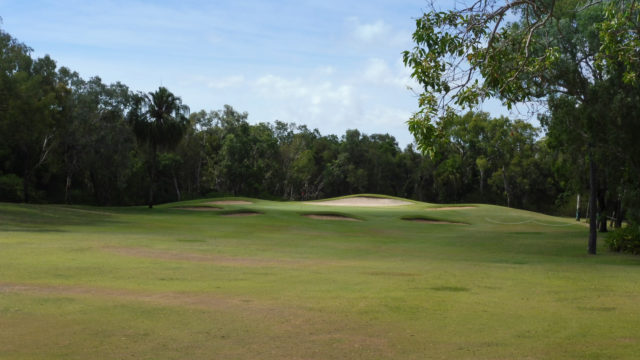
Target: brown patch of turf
x,y
201,258
321,333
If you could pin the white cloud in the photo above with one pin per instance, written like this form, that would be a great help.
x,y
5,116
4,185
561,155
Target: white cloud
x,y
312,101
377,33
333,106
226,82
278,87
378,72
326,70
386,116
372,32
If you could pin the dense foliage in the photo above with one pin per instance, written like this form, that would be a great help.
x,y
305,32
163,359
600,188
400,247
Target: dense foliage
x,y
625,239
66,139
577,58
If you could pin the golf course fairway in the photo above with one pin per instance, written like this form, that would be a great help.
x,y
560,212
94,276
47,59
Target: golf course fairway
x,y
241,278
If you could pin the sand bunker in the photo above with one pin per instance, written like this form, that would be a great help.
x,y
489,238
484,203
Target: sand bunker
x,y
230,202
451,208
329,217
198,208
361,201
244,213
429,221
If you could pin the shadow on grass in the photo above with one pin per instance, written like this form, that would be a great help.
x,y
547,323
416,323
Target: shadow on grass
x,y
49,218
30,229
330,215
450,288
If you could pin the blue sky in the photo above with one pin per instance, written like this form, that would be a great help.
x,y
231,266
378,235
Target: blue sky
x,y
332,65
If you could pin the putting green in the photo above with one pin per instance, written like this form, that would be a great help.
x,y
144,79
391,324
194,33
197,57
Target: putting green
x,y
112,283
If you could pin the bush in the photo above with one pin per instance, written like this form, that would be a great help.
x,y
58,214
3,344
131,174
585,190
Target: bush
x,y
10,188
626,239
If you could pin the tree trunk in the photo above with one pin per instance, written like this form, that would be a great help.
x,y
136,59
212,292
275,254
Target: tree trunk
x,y
619,212
67,189
602,211
578,208
506,186
198,171
593,234
25,186
152,175
175,185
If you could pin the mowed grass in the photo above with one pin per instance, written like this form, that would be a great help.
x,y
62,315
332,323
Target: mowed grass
x,y
170,283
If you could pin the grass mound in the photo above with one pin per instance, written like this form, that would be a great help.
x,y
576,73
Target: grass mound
x,y
197,208
445,208
230,202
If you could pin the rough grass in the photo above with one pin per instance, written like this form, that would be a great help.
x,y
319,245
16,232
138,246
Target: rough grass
x,y
134,283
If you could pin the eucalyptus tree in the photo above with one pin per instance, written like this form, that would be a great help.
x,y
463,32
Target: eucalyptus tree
x,y
159,121
31,106
522,51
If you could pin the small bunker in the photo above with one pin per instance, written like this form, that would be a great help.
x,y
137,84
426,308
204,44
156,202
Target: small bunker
x,y
230,202
425,220
330,216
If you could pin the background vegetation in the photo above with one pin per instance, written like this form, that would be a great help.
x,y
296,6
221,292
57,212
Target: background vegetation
x,y
67,139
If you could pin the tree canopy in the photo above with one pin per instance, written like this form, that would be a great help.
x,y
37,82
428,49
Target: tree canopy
x,y
560,53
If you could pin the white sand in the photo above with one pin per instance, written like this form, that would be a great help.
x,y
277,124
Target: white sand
x,y
361,201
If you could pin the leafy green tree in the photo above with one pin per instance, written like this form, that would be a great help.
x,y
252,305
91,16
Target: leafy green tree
x,y
96,147
159,121
552,49
30,108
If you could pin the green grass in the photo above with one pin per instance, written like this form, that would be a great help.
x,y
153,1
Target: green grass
x,y
167,283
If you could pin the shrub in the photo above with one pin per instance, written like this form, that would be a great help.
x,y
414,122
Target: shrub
x,y
10,188
626,239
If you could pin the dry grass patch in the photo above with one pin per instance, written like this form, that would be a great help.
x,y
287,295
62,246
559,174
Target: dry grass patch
x,y
200,258
290,332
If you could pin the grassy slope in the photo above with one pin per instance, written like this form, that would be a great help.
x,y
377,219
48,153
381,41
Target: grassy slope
x,y
79,283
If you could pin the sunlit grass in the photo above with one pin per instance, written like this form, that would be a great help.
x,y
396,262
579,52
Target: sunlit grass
x,y
168,283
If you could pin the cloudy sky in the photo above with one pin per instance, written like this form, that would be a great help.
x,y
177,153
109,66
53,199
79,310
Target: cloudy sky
x,y
332,65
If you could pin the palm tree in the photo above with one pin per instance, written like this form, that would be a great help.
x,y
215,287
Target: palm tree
x,y
159,120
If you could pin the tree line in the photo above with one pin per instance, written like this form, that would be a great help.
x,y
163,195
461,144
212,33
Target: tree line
x,y
65,139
